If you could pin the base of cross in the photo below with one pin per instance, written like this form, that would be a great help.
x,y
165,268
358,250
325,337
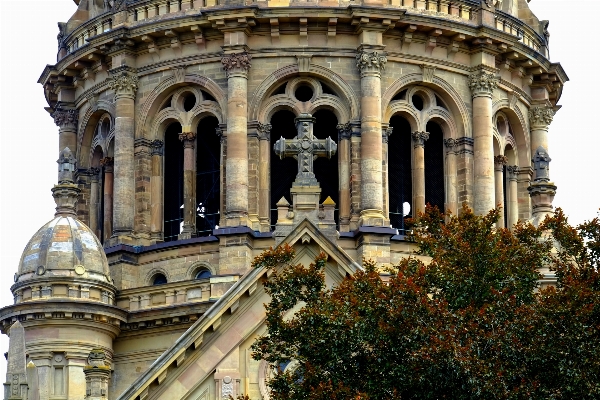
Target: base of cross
x,y
305,205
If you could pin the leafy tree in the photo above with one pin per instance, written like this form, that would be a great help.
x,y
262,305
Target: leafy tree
x,y
470,324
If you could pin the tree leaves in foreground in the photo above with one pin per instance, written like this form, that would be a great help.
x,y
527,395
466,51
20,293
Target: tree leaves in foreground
x,y
470,324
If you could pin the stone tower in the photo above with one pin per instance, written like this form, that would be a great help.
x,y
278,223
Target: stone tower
x,y
194,134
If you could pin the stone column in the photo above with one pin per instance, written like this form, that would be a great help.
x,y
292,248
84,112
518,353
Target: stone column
x,y
451,176
344,135
66,120
418,174
370,63
540,119
237,65
94,200
386,133
482,85
264,176
189,185
499,163
97,374
124,83
107,164
513,199
156,191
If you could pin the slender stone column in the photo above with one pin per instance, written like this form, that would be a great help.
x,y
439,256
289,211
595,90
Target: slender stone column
x,y
97,375
540,119
418,174
107,164
499,163
156,190
66,120
125,84
344,135
386,133
451,176
94,200
189,185
370,64
264,151
237,66
482,85
513,199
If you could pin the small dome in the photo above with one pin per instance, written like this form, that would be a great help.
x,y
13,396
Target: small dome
x,y
64,247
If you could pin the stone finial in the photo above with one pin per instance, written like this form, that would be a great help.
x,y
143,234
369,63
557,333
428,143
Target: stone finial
x,y
66,166
236,62
16,372
419,138
65,117
541,164
66,192
513,171
540,117
482,83
97,373
370,61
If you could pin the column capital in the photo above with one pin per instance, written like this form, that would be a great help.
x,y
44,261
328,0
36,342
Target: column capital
x,y
419,139
124,82
65,117
107,163
344,130
370,62
450,143
264,131
157,147
482,83
499,162
540,117
236,64
188,139
386,133
513,171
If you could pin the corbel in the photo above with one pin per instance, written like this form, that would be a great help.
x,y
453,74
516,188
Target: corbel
x,y
144,394
198,341
513,97
70,72
198,36
455,45
428,73
303,31
408,37
152,49
432,40
331,30
161,378
175,43
274,30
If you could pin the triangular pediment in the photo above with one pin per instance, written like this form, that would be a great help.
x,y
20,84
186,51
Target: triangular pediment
x,y
213,356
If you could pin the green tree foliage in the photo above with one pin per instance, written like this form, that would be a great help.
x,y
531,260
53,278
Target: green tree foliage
x,y
469,324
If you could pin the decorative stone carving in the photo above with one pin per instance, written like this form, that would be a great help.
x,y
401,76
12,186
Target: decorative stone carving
x,y
227,388
65,117
157,147
124,83
513,171
344,130
450,143
107,161
370,61
386,133
97,358
66,193
187,138
221,134
264,131
541,163
482,83
419,138
237,62
500,160
540,117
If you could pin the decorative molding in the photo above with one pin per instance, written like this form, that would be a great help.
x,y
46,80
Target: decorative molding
x,y
419,138
237,62
64,118
482,83
540,117
370,61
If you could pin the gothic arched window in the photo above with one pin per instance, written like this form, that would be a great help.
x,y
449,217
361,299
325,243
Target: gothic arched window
x,y
400,172
173,183
208,165
435,193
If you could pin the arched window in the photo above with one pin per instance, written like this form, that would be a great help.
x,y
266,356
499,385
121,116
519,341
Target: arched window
x,y
434,167
326,169
159,279
400,172
208,164
202,274
173,183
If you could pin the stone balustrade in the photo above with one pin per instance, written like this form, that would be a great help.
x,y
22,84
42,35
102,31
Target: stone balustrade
x,y
63,290
526,35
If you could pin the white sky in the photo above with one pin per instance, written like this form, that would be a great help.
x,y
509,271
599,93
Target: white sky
x,y
29,138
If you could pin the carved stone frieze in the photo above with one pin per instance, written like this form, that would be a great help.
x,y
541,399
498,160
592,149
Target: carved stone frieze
x,y
237,62
419,138
65,118
540,117
482,83
370,61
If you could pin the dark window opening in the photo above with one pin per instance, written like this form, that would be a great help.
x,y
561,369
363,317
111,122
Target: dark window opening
x,y
304,93
207,96
505,194
173,183
417,102
208,174
283,171
440,103
326,170
189,101
327,89
159,279
400,173
280,90
434,167
203,274
401,95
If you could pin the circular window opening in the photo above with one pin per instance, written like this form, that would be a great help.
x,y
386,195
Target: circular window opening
x,y
159,279
189,102
417,102
202,274
304,93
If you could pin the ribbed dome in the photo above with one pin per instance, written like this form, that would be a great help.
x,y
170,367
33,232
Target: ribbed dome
x,y
64,247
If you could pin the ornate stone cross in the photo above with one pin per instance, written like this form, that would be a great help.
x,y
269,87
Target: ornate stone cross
x,y
305,148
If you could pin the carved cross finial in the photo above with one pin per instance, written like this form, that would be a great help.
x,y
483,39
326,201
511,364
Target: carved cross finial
x,y
305,148
541,164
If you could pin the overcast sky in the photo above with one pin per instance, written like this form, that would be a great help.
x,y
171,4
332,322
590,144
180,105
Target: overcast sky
x,y
29,138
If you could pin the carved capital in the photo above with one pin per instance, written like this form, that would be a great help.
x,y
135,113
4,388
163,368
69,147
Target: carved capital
x,y
237,62
221,134
124,84
482,83
107,162
540,117
513,171
419,138
370,61
65,118
188,139
500,160
386,133
450,143
264,131
157,147
344,130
